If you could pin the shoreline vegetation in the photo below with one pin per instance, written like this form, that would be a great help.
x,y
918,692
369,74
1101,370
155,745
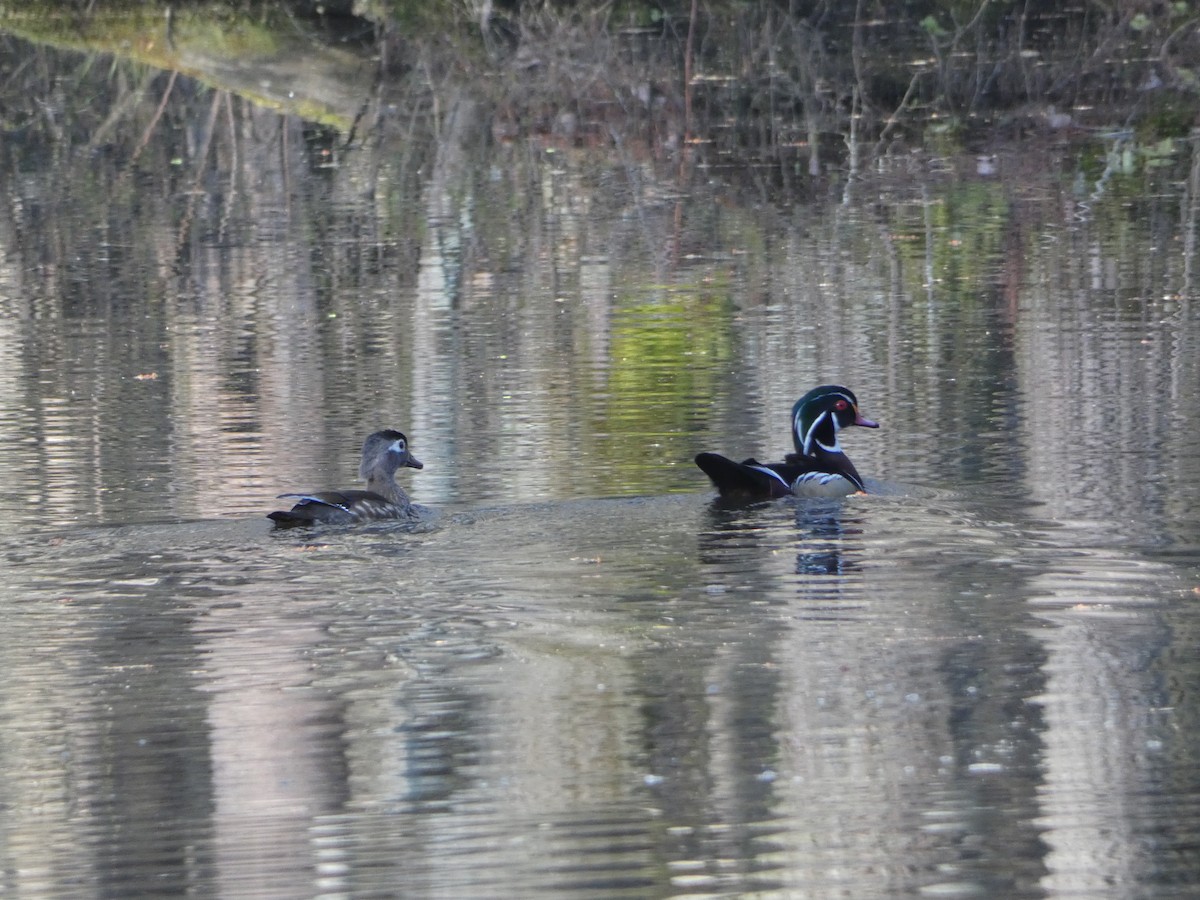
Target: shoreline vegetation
x,y
797,90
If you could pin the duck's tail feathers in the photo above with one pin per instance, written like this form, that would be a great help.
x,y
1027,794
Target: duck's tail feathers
x,y
747,480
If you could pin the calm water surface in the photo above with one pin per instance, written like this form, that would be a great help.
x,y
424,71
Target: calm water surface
x,y
583,677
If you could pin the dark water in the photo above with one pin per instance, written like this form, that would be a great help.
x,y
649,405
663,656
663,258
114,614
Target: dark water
x,y
585,679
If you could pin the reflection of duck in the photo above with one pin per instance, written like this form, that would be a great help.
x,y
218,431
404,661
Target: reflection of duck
x,y
382,454
826,542
818,468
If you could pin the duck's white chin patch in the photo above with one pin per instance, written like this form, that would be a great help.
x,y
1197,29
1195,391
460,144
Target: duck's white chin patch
x,y
823,484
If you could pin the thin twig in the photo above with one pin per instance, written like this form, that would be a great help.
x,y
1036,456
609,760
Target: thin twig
x,y
895,117
162,105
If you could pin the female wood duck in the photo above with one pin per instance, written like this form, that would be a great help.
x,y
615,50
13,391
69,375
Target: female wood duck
x,y
818,468
382,454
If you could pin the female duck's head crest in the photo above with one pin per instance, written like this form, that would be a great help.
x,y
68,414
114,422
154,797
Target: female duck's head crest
x,y
820,414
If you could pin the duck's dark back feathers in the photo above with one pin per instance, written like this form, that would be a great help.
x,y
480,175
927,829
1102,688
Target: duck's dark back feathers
x,y
338,508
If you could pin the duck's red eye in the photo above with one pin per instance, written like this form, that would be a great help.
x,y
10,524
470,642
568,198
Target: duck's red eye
x,y
840,405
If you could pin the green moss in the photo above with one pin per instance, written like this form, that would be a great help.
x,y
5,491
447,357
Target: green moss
x,y
153,33
189,40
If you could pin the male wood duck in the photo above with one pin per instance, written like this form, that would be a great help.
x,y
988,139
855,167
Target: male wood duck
x,y
818,468
382,454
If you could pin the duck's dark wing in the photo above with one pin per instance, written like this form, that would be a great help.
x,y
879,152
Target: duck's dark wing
x,y
335,508
746,480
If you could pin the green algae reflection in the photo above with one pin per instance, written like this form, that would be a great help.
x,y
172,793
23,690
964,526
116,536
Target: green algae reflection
x,y
669,347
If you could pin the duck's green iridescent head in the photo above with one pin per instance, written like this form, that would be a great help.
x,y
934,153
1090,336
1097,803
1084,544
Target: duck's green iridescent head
x,y
820,414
